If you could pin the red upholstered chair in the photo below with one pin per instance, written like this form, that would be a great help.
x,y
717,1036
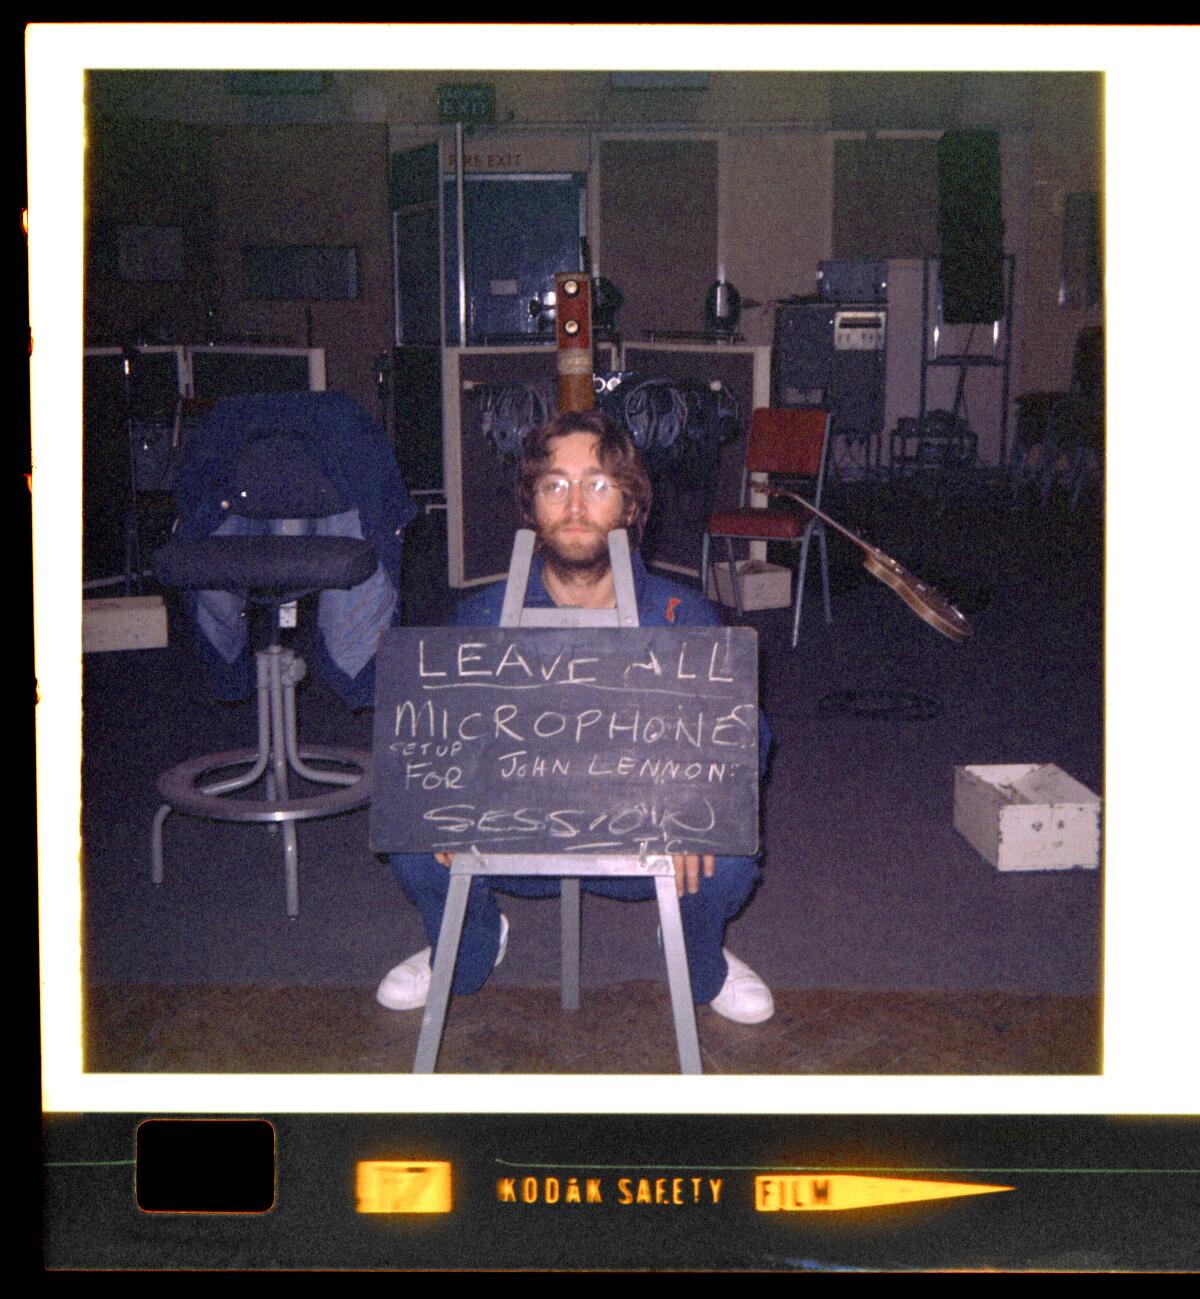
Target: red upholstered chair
x,y
789,446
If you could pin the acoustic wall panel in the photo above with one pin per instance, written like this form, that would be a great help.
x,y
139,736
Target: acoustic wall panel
x,y
970,227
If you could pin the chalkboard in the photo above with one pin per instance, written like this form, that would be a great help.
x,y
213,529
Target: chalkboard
x,y
571,740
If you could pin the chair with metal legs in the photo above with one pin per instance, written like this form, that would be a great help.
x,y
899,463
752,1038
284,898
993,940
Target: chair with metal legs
x,y
568,868
785,445
279,491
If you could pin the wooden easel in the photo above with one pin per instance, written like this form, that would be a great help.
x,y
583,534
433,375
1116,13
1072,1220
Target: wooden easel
x,y
567,866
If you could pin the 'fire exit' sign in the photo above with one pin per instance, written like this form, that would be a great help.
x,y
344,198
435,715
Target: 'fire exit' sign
x,y
465,102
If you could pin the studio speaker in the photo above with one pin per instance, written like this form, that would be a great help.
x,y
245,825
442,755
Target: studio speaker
x,y
970,227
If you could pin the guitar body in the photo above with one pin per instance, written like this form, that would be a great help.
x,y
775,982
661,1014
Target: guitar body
x,y
923,600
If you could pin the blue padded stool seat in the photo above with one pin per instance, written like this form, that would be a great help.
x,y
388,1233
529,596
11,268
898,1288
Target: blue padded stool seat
x,y
265,567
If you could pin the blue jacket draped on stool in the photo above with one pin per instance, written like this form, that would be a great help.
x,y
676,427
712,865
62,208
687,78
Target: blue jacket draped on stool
x,y
354,454
661,603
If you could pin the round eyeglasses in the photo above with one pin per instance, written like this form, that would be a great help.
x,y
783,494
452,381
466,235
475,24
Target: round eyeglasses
x,y
555,488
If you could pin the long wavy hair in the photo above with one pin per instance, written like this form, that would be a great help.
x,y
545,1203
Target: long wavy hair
x,y
617,455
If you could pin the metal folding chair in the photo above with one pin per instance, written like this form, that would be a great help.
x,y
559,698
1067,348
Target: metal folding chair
x,y
787,444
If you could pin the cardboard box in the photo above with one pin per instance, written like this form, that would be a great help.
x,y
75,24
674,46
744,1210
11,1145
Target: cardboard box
x,y
124,623
763,585
1028,817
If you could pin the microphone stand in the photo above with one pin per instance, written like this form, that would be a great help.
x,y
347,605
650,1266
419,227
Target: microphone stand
x,y
133,548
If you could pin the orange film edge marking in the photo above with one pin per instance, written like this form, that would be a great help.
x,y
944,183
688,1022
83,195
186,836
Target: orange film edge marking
x,y
402,1186
816,1192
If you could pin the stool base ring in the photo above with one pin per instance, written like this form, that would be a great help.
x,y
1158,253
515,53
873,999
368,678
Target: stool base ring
x,y
178,788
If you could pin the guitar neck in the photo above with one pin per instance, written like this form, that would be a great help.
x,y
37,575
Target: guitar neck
x,y
926,602
866,546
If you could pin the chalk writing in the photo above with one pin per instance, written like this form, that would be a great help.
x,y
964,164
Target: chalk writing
x,y
566,740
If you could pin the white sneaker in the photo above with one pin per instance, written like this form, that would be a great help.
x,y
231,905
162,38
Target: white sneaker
x,y
406,987
744,998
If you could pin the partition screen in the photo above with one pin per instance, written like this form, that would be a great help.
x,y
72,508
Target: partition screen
x,y
658,230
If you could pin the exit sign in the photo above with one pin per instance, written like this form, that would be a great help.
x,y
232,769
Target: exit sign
x,y
467,103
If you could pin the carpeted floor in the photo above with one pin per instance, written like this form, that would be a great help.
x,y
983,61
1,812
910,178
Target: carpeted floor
x,y
623,1028
892,946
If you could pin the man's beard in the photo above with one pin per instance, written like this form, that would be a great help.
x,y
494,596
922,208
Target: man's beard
x,y
584,564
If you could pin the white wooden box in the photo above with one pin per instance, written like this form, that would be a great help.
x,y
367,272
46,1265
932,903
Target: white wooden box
x,y
763,585
124,623
1027,817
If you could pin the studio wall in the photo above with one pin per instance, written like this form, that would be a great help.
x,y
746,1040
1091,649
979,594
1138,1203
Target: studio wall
x,y
310,185
769,186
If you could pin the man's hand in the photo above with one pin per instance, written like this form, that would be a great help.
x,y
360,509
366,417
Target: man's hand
x,y
445,858
688,868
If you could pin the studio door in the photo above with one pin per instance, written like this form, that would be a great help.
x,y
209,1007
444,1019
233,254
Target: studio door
x,y
519,231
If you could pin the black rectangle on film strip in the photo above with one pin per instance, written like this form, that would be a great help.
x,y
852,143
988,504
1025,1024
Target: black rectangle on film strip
x,y
203,1165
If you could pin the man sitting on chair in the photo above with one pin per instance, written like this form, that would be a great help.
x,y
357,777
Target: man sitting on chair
x,y
580,477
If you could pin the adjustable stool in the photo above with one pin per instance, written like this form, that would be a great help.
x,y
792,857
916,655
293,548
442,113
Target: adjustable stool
x,y
569,867
278,481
